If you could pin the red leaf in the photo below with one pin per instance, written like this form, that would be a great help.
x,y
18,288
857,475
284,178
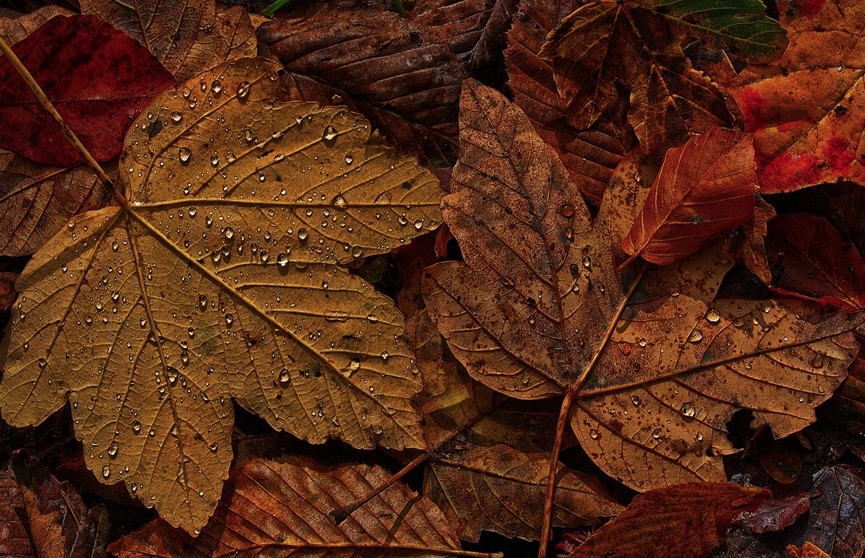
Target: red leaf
x,y
704,188
775,514
811,260
98,78
682,520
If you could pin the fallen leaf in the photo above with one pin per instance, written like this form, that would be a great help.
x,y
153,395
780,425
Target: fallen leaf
x,y
219,279
748,245
379,63
277,509
808,550
605,45
806,110
7,290
780,460
16,29
655,368
591,154
188,38
682,520
37,200
42,517
496,485
774,515
704,188
475,30
809,259
833,523
97,77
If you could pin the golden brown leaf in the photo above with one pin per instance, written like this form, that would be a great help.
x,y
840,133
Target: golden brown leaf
x,y
187,37
37,200
808,550
590,155
280,509
704,188
806,110
220,280
378,63
14,29
654,365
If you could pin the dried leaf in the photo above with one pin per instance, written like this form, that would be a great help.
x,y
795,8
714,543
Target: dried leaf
x,y
806,110
683,520
704,188
810,259
97,77
16,29
220,280
590,155
500,488
277,509
380,63
37,200
774,515
473,29
547,315
187,37
636,44
808,550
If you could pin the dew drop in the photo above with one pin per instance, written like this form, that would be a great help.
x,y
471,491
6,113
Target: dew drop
x,y
136,427
115,245
216,87
687,409
349,159
642,342
696,336
384,356
106,472
372,318
112,449
243,89
228,319
176,117
284,377
214,446
282,259
202,302
329,133
712,316
594,434
185,154
302,234
635,399
228,233
587,262
818,361
656,433
356,251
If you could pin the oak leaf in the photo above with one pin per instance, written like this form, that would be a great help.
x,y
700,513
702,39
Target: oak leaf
x,y
378,63
806,110
653,366
218,278
187,37
704,188
37,200
97,77
279,509
683,520
636,44
591,154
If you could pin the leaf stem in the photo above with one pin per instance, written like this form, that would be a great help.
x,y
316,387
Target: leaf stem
x,y
67,131
549,497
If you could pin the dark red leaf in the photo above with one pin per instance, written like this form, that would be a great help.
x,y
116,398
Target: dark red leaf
x,y
98,78
810,259
775,514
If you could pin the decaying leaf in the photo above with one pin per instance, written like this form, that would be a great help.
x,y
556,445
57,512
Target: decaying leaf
x,y
279,509
654,366
15,29
636,44
806,110
382,65
187,37
683,520
808,550
97,77
810,259
473,29
219,279
704,188
37,200
590,155
497,483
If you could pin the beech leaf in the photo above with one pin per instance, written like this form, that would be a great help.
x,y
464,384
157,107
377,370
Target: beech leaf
x,y
655,367
280,509
704,188
97,77
220,279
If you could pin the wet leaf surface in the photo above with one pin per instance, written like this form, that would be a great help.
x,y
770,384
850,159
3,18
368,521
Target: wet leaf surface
x,y
97,77
221,280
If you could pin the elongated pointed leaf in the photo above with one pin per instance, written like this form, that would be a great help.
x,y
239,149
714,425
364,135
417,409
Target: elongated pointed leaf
x,y
655,365
220,280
